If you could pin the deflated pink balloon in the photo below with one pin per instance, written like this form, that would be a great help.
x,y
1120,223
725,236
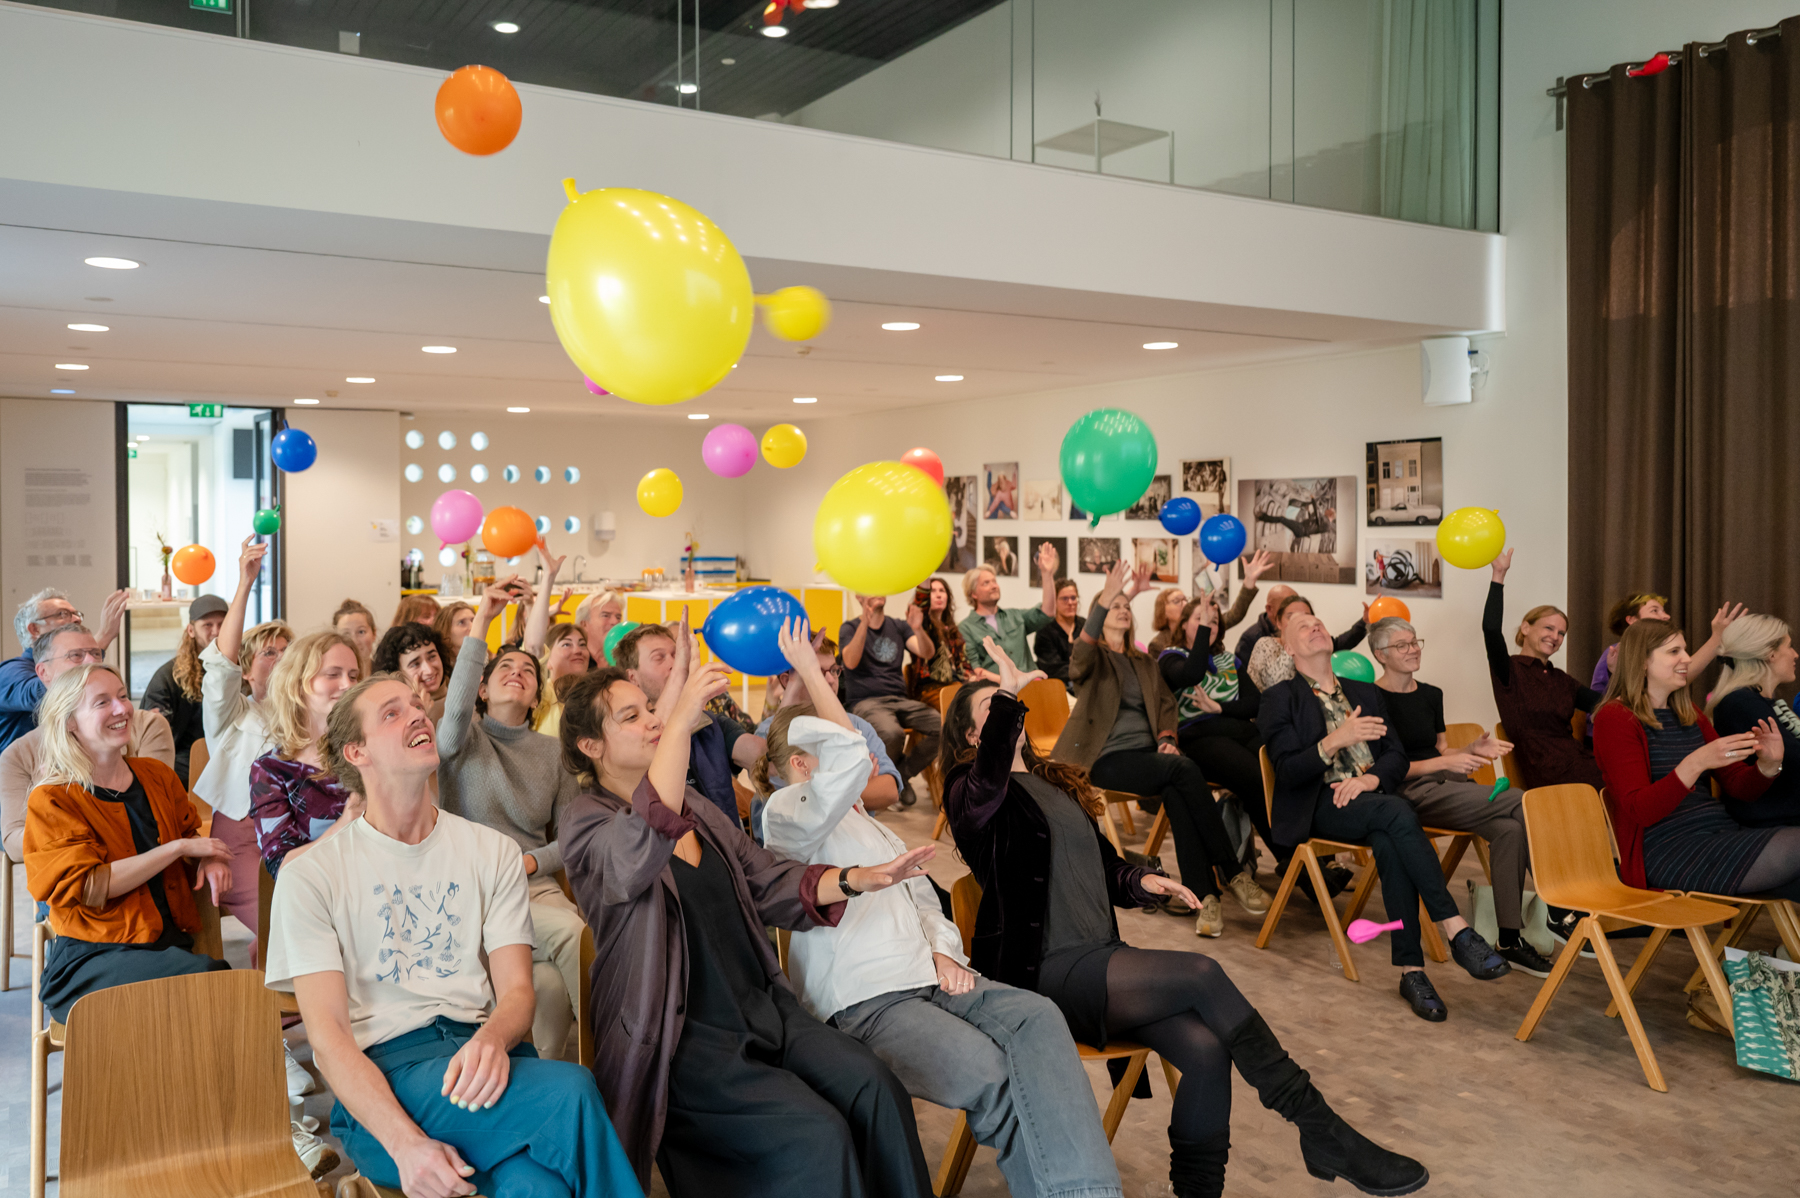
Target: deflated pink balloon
x,y
729,450
455,517
596,388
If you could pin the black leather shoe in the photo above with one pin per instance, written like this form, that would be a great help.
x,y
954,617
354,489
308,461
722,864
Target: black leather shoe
x,y
1469,950
1523,957
1418,991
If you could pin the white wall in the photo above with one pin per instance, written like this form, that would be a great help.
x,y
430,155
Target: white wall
x,y
332,551
58,518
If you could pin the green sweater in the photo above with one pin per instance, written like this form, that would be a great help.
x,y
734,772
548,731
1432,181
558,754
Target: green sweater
x,y
1016,623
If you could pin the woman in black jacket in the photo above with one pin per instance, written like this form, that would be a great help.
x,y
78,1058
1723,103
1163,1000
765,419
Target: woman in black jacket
x,y
1049,881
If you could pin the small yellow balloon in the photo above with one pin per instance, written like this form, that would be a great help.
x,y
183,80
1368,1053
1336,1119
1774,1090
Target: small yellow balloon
x,y
882,528
796,313
659,492
1471,537
783,446
649,298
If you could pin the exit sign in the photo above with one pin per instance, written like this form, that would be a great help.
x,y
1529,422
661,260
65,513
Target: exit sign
x,y
206,411
223,6
131,451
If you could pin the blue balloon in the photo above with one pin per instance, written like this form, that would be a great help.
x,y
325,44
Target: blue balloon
x,y
741,631
293,450
1222,539
1181,515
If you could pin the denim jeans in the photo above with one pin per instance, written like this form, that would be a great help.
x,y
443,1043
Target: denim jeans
x,y
1005,1057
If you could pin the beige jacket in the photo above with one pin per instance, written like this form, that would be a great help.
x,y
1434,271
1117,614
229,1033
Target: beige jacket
x,y
150,737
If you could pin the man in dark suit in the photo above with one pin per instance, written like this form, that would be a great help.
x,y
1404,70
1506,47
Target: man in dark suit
x,y
1338,772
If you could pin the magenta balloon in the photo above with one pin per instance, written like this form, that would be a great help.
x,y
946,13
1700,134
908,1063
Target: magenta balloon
x,y
729,450
596,388
455,517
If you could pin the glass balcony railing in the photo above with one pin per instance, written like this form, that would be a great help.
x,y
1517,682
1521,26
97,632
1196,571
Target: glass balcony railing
x,y
1385,107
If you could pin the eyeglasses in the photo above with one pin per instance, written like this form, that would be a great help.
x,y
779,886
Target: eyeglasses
x,y
59,616
1403,646
78,656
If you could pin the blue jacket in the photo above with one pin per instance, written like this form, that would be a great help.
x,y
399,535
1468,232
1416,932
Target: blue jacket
x,y
20,693
1292,724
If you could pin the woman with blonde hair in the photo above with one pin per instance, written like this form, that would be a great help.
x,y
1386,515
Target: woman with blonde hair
x,y
294,802
416,609
1759,655
565,655
1165,617
1536,700
454,620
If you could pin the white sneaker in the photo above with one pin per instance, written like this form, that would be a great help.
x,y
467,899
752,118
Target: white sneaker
x,y
299,1081
318,1156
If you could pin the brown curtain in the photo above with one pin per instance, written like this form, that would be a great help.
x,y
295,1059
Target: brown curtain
x,y
1684,337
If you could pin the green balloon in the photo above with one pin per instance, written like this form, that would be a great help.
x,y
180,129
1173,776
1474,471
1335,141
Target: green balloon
x,y
619,632
1108,461
1346,663
266,521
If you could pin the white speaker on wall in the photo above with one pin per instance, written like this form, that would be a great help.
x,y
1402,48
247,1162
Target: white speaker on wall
x,y
1445,371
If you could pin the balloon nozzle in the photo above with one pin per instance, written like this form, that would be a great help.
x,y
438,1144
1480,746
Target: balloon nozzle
x,y
573,191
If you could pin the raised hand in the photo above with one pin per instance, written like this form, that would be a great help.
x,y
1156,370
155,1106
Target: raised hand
x,y
1725,617
494,599
1501,565
915,617
797,648
1256,567
1047,559
1142,581
1012,679
1116,578
250,559
112,616
552,565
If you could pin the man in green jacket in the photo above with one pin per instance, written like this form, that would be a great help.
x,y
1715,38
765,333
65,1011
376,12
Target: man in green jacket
x,y
1007,625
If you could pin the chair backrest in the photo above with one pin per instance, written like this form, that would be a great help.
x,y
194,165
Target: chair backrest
x,y
1461,736
744,796
1268,773
197,759
1578,725
1046,709
265,900
946,695
1508,765
965,901
1571,843
204,1113
210,939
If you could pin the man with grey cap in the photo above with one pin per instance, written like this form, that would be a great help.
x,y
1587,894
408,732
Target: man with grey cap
x,y
20,686
174,689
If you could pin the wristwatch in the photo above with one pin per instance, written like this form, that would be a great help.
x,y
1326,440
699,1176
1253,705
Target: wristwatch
x,y
844,883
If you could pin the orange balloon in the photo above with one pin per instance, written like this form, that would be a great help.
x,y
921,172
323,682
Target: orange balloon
x,y
508,532
193,564
478,110
1387,606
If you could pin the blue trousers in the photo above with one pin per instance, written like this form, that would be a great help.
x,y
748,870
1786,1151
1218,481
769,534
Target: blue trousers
x,y
547,1137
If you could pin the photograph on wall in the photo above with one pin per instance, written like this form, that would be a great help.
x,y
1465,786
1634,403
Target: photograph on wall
x,y
1002,479
1409,569
1043,499
1002,553
1076,512
1160,555
1208,483
1405,481
1060,544
1150,506
964,493
1307,526
1098,554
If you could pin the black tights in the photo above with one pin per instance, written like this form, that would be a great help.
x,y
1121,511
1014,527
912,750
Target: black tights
x,y
1184,1007
1776,869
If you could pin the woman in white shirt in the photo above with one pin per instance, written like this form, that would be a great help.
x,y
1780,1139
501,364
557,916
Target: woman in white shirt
x,y
893,974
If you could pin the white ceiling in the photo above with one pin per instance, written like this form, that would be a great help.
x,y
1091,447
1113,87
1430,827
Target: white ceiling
x,y
259,307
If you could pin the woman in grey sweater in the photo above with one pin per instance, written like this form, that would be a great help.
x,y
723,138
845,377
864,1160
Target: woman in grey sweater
x,y
496,771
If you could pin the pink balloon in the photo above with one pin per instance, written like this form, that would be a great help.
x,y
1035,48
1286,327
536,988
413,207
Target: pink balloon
x,y
455,517
596,388
729,450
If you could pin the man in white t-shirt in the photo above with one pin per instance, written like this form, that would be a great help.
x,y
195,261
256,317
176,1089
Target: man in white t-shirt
x,y
380,933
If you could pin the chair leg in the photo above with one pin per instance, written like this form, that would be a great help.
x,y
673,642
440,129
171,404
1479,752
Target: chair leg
x,y
1328,909
1634,1027
943,821
934,785
1282,894
1159,828
1715,977
1729,934
1646,956
1787,923
1434,940
1453,853
1559,973
40,1104
1365,885
6,921
1171,1075
1115,1110
957,1154
1130,824
1111,828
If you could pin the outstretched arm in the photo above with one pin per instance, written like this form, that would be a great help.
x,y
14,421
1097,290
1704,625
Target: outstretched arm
x,y
537,621
1499,658
231,632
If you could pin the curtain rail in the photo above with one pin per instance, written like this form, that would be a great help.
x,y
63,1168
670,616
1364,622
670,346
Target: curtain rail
x,y
1561,90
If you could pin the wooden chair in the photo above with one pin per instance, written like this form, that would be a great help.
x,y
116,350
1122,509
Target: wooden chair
x,y
197,759
1307,857
1745,908
48,1036
358,1186
1046,711
965,901
265,899
946,695
1461,736
7,866
1571,857
1509,766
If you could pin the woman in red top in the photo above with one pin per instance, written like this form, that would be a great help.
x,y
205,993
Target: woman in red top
x,y
1536,700
1655,751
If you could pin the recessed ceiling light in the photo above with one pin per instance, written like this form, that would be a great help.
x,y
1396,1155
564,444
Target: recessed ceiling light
x,y
1162,345
505,27
61,391
359,379
113,263
70,366
518,409
143,436
901,326
543,299
949,378
90,328
821,3
438,349
806,399
728,62
688,89
774,31
699,416
306,401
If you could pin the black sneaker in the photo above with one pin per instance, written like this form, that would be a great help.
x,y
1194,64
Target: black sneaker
x,y
1561,922
1525,958
1477,956
1422,996
1337,878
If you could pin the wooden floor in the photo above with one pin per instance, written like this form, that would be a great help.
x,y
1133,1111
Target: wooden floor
x,y
1567,1114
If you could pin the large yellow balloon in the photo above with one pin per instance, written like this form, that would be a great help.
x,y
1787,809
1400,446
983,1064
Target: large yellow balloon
x,y
796,313
649,298
1471,537
882,528
783,446
659,492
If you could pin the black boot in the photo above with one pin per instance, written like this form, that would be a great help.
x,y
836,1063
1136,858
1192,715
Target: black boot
x,y
1330,1147
1197,1169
